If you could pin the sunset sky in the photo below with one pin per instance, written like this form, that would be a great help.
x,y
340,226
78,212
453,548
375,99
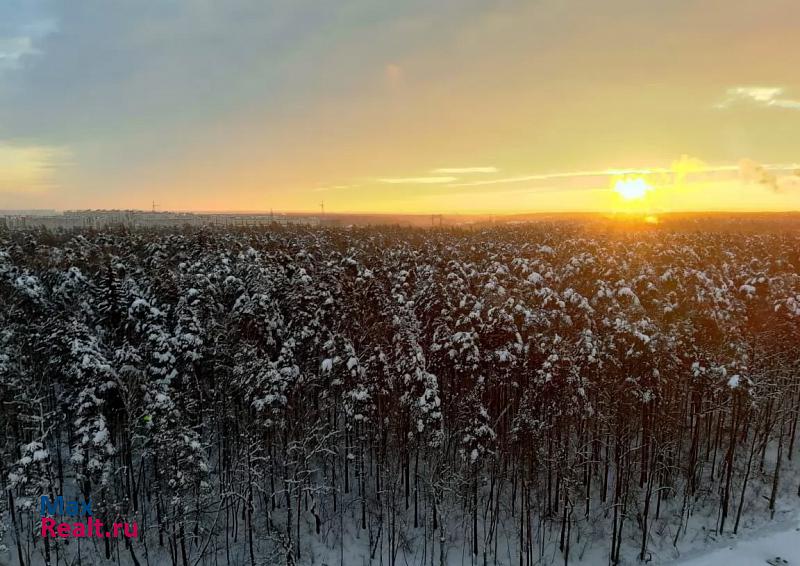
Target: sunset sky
x,y
412,106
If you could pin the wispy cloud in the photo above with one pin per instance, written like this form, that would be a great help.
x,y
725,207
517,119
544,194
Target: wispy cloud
x,y
29,168
464,170
22,43
549,176
769,97
769,175
418,180
12,49
780,175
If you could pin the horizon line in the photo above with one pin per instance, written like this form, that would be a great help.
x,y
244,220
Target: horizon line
x,y
420,214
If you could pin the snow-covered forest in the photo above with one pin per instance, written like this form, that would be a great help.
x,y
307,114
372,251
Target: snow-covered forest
x,y
538,394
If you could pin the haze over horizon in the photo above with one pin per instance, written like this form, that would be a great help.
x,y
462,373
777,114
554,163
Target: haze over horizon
x,y
457,107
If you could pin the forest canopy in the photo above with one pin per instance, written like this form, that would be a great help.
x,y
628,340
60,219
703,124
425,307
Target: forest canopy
x,y
514,395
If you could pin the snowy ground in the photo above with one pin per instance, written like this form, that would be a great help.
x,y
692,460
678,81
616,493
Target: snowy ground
x,y
774,545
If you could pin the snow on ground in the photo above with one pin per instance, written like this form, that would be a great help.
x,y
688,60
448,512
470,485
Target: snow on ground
x,y
778,545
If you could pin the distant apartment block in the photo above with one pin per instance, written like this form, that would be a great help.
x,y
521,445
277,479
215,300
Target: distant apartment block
x,y
140,219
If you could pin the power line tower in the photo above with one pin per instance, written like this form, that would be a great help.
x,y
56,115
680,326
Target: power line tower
x,y
322,208
155,205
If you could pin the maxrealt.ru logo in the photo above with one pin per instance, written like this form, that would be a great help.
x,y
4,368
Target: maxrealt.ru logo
x,y
84,524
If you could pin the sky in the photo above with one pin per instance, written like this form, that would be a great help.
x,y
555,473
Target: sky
x,y
415,106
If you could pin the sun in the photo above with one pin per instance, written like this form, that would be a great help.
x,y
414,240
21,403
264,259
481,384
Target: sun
x,y
632,188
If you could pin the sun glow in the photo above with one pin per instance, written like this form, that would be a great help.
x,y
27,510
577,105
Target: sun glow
x,y
632,188
28,168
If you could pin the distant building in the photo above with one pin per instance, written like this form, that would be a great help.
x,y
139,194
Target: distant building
x,y
30,212
141,219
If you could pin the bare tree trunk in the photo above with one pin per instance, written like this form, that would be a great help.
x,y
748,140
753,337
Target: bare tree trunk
x,y
777,474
